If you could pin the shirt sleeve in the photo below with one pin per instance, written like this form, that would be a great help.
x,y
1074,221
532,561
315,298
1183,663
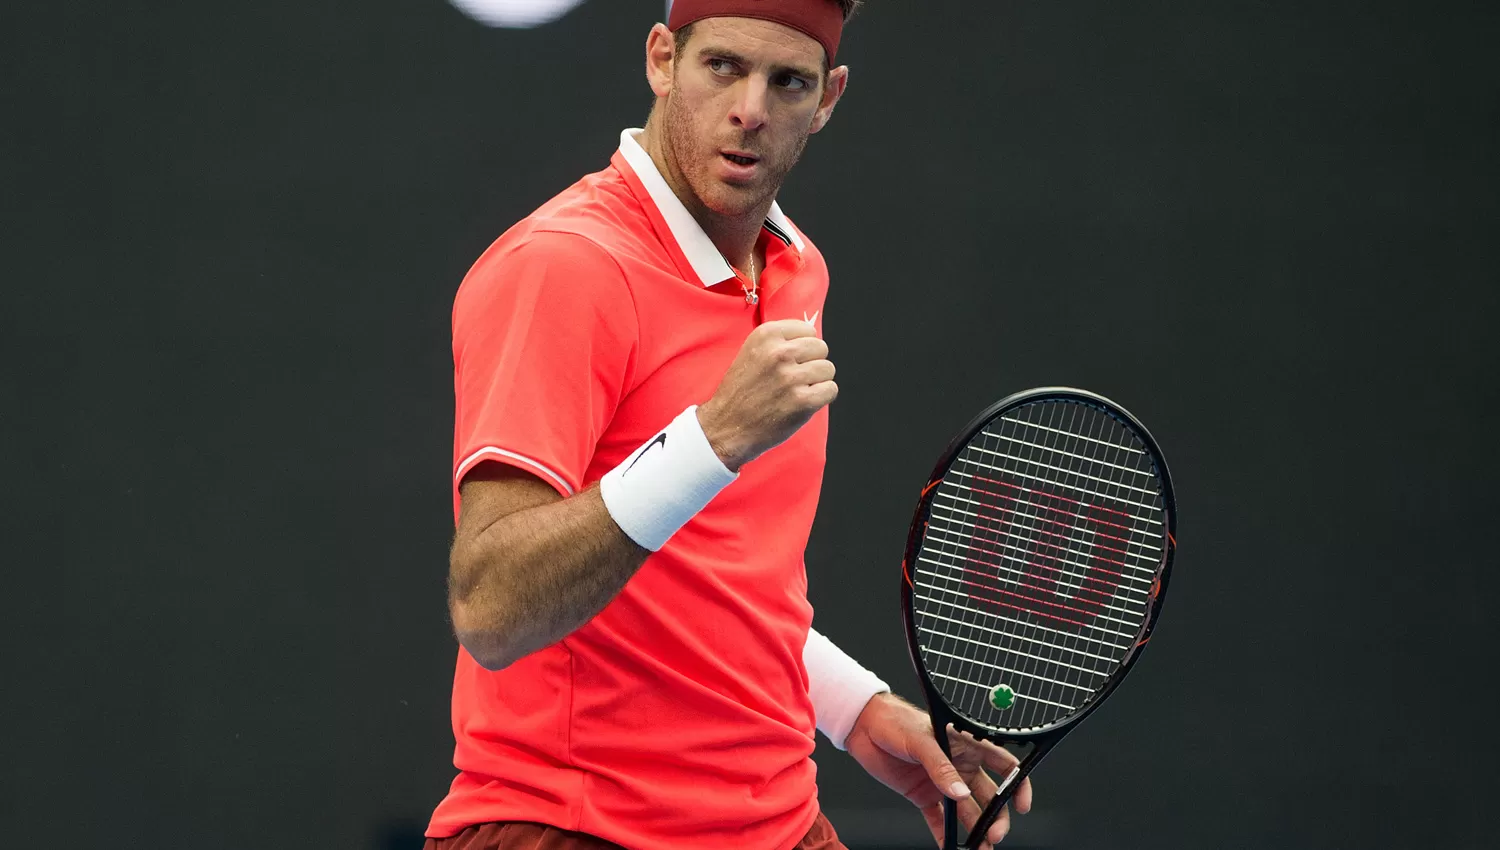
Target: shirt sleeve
x,y
544,342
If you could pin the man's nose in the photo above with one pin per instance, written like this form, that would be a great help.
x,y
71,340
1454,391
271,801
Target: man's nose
x,y
749,111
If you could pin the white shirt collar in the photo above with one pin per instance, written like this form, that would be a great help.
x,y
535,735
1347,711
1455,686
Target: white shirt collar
x,y
695,244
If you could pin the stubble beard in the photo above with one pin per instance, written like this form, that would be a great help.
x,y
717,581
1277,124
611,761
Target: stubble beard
x,y
694,156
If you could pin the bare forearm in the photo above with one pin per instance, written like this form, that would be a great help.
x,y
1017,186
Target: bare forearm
x,y
528,569
536,575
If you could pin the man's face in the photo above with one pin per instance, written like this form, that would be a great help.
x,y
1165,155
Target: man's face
x,y
745,96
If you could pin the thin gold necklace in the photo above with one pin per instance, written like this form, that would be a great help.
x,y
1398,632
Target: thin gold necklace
x,y
752,293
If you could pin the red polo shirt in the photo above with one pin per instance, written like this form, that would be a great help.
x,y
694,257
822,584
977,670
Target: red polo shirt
x,y
679,716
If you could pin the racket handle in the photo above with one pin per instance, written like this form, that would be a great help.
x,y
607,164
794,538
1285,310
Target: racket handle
x,y
997,805
950,807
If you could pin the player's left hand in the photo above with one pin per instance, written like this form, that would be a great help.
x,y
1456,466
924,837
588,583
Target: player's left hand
x,y
893,741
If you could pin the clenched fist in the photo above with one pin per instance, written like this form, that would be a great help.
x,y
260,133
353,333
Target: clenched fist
x,y
780,378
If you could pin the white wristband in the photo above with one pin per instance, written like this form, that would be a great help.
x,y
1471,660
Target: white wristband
x,y
838,686
665,482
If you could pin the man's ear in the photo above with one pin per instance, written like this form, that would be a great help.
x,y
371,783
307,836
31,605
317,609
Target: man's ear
x,y
661,53
838,81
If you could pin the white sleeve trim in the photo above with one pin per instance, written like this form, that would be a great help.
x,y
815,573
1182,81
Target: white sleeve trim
x,y
493,452
838,685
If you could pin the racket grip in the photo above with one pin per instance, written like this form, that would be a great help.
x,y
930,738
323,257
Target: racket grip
x,y
950,825
992,812
951,839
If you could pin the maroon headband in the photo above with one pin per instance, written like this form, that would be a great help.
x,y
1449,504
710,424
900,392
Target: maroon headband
x,y
821,19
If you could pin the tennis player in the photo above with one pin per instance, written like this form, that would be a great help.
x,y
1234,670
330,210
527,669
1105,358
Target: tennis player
x,y
642,394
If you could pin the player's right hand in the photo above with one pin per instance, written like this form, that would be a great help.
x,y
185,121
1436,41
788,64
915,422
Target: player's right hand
x,y
780,378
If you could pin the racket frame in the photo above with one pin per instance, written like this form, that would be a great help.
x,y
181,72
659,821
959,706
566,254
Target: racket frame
x,y
1043,738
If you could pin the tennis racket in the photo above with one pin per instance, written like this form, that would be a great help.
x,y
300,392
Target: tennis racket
x,y
1035,571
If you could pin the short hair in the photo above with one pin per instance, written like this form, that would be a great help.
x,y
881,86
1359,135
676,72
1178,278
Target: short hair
x,y
848,7
685,31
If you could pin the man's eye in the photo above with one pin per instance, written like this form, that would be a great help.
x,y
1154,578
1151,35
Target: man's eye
x,y
791,83
721,66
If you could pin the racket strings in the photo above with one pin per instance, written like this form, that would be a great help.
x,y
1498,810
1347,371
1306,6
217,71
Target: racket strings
x,y
1036,566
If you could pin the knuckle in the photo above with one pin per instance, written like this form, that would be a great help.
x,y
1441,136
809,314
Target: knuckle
x,y
783,328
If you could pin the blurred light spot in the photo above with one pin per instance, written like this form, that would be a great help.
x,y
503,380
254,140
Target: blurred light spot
x,y
516,14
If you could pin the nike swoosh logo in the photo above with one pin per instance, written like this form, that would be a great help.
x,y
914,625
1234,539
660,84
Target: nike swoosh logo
x,y
661,440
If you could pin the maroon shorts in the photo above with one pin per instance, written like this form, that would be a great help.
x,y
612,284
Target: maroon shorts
x,y
535,836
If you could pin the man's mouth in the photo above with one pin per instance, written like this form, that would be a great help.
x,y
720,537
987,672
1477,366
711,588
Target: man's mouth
x,y
740,159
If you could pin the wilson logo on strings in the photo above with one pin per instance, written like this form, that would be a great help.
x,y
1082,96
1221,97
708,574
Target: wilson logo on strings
x,y
1051,555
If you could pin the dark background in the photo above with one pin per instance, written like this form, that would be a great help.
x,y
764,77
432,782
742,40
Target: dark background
x,y
231,234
